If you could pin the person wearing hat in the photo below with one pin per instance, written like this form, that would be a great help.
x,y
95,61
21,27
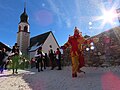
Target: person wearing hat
x,y
39,58
15,58
75,42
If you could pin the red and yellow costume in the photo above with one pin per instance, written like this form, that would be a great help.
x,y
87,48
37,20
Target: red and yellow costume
x,y
76,42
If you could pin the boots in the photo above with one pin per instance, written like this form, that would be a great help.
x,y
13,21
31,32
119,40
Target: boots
x,y
74,75
79,71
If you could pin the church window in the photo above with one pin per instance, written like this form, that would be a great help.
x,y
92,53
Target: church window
x,y
19,28
26,29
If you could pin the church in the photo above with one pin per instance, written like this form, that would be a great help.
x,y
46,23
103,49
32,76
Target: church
x,y
29,46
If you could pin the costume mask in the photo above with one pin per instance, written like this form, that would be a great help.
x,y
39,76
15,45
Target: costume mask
x,y
76,32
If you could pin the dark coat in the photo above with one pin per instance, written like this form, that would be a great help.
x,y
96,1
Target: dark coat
x,y
15,50
2,56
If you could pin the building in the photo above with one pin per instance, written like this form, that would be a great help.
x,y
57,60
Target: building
x,y
23,34
28,46
44,40
2,45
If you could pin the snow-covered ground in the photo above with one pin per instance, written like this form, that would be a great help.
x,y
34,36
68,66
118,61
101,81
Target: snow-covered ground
x,y
94,79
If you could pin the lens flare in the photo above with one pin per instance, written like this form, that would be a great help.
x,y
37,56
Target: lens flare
x,y
108,16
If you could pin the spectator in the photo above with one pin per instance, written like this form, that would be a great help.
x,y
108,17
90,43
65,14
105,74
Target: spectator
x,y
58,58
3,54
45,60
39,58
51,56
15,58
32,62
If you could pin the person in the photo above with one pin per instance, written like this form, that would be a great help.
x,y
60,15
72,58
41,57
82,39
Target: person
x,y
8,64
32,62
51,56
76,43
3,55
39,58
23,63
58,58
15,58
45,60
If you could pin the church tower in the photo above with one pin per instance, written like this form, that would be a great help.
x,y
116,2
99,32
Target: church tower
x,y
23,34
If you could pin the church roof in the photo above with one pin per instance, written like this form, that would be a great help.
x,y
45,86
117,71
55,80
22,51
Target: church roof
x,y
2,45
37,41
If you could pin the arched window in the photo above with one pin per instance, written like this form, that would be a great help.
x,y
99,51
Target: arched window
x,y
19,28
26,28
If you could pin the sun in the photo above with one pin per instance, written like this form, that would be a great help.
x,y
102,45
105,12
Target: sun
x,y
108,16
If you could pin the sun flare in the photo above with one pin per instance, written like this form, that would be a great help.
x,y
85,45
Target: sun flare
x,y
108,16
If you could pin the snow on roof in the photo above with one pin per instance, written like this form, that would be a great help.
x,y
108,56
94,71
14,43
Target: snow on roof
x,y
3,45
35,47
39,39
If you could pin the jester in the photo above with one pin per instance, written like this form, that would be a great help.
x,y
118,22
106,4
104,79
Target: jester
x,y
76,43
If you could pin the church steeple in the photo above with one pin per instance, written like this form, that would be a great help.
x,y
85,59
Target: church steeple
x,y
23,34
24,16
25,7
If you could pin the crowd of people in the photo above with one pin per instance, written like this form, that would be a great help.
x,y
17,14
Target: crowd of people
x,y
5,59
40,60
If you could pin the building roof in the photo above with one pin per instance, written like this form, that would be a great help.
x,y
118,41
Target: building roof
x,y
2,45
86,36
37,41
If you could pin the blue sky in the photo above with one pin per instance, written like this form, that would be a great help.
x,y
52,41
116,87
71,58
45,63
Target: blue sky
x,y
59,16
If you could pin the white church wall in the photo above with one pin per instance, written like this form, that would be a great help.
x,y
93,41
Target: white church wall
x,y
49,41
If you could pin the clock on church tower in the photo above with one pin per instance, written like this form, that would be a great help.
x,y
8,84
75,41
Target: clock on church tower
x,y
23,34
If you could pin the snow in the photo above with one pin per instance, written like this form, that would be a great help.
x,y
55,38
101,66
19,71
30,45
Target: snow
x,y
95,79
35,47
